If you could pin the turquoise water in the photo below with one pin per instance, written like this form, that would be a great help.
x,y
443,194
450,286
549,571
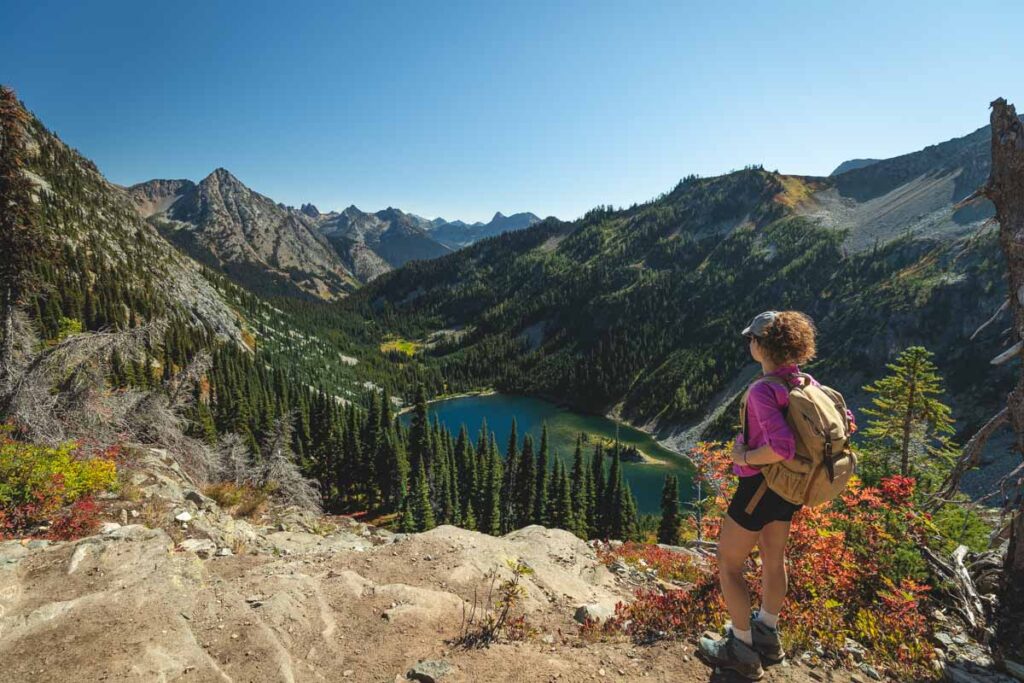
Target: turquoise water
x,y
646,479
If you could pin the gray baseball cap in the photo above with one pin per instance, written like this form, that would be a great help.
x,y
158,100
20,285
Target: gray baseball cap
x,y
759,324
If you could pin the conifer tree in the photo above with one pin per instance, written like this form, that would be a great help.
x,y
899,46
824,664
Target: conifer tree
x,y
562,514
510,480
611,506
466,473
491,507
597,493
526,484
578,489
630,516
421,507
910,424
420,433
668,528
407,520
541,492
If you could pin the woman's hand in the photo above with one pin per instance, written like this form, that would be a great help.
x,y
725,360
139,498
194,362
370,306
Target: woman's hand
x,y
739,451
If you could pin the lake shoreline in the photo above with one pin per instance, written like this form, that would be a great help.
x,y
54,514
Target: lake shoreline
x,y
645,468
450,397
646,458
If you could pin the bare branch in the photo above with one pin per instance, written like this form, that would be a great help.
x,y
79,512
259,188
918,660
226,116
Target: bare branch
x,y
969,459
972,198
1005,305
1007,355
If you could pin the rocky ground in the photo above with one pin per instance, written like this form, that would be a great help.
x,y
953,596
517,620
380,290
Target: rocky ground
x,y
176,589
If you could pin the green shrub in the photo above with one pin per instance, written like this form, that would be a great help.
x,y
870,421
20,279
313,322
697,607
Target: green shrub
x,y
38,482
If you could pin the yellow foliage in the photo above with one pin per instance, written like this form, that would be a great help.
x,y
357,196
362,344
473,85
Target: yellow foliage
x,y
406,346
53,476
795,191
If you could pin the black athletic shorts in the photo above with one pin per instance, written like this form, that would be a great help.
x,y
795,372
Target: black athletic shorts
x,y
754,505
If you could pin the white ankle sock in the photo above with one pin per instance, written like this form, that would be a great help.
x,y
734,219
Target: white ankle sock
x,y
745,636
767,618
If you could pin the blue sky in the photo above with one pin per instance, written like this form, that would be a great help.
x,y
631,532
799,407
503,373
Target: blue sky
x,y
463,109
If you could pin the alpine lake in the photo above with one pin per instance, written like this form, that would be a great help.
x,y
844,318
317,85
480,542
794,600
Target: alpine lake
x,y
646,478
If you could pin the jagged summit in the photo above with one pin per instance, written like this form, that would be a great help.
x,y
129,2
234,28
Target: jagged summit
x,y
457,234
380,241
263,245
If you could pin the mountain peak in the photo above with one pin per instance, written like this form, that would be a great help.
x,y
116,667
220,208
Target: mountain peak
x,y
221,176
498,215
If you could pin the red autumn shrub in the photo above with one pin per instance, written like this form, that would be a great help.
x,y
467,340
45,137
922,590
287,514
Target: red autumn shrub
x,y
41,484
79,519
855,571
669,565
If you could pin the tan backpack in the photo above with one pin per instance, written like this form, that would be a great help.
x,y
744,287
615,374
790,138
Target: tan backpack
x,y
824,461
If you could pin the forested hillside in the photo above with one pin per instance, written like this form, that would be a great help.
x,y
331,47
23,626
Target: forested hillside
x,y
637,311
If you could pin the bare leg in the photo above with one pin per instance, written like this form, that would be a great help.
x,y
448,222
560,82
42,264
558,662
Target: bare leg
x,y
734,546
772,544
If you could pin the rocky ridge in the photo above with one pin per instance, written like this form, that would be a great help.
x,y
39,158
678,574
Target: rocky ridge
x,y
175,588
221,222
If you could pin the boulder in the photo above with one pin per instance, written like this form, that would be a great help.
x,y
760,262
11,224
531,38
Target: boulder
x,y
203,547
201,501
594,612
429,671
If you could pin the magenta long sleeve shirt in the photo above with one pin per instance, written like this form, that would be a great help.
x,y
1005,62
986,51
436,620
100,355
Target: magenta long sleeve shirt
x,y
766,418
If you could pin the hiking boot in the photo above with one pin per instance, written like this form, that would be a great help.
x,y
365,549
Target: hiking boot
x,y
766,641
732,653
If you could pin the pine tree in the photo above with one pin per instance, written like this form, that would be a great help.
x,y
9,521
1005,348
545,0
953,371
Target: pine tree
x,y
611,506
630,523
509,481
541,492
420,433
420,505
490,518
597,493
562,513
526,484
668,529
466,474
578,490
909,420
407,520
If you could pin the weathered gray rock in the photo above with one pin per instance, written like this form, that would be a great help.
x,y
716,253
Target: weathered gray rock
x,y
108,527
429,670
184,516
1015,669
201,501
854,649
203,547
11,553
137,532
594,612
300,542
870,671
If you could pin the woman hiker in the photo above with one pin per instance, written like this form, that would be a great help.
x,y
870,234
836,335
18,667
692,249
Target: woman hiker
x,y
780,342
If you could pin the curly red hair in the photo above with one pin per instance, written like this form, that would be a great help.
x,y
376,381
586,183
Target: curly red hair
x,y
790,338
